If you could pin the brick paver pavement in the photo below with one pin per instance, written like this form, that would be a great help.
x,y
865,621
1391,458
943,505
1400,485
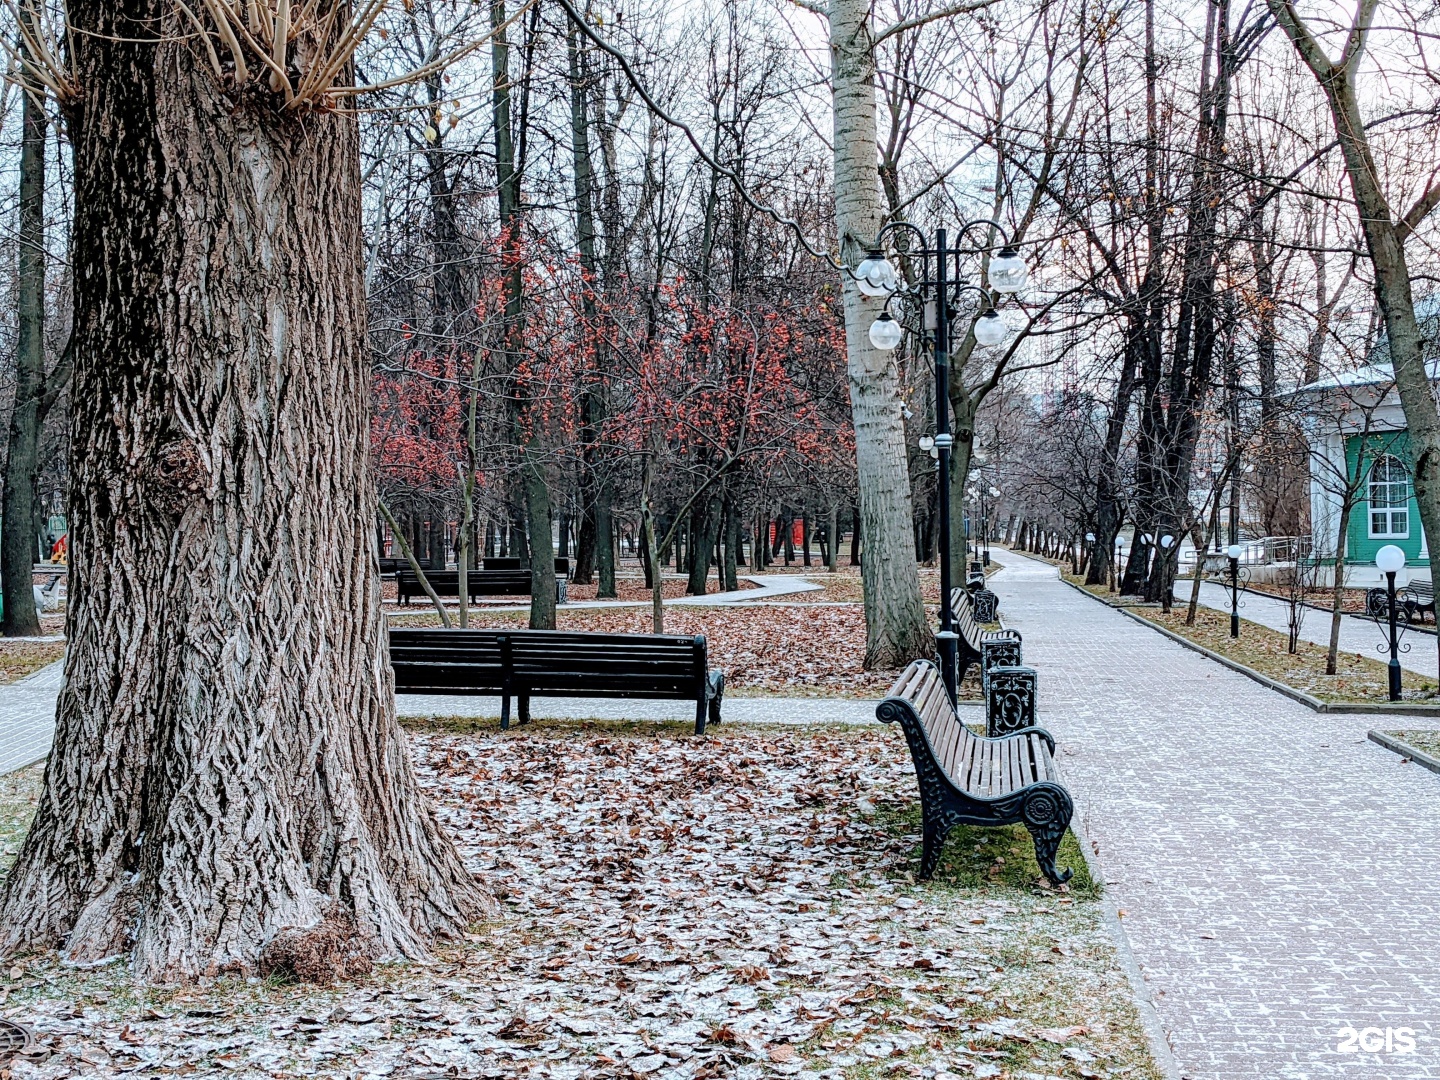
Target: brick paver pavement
x,y
1279,874
27,717
1356,635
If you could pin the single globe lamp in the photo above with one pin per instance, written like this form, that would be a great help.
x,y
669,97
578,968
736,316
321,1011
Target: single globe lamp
x,y
990,328
1008,271
1390,559
885,332
1233,551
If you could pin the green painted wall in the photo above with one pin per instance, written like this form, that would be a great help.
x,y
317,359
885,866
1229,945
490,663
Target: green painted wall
x,y
1360,546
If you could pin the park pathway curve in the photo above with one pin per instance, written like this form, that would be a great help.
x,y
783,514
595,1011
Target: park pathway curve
x,y
1278,874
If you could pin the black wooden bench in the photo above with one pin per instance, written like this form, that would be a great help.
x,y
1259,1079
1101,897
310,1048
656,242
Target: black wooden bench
x,y
505,562
967,779
477,583
549,663
1410,600
1417,598
973,640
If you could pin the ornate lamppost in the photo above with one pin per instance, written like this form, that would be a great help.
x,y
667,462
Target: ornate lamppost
x,y
1390,560
1233,551
939,286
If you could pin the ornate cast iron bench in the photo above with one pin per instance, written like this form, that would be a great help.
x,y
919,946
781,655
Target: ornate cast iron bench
x,y
1004,645
966,779
1417,597
550,663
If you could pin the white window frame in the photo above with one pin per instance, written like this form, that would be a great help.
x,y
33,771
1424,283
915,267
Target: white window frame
x,y
1387,506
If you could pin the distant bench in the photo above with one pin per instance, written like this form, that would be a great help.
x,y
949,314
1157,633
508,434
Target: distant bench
x,y
1414,599
967,779
562,566
548,663
973,639
477,583
1418,598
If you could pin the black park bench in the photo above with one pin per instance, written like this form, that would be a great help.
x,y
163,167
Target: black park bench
x,y
974,641
1418,597
552,663
1411,600
967,779
478,583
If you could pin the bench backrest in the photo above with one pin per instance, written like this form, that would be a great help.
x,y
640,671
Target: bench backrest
x,y
920,684
559,661
964,615
504,562
477,582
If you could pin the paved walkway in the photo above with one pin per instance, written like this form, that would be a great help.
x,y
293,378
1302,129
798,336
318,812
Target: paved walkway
x,y
27,712
1356,635
1278,874
770,587
27,717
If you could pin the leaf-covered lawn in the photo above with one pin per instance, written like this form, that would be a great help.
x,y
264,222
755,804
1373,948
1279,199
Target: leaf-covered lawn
x,y
787,649
21,658
673,907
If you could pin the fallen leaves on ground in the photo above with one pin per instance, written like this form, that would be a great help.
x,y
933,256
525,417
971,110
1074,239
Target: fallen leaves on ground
x,y
21,658
674,907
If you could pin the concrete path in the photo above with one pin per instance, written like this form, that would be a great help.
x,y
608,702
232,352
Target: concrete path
x,y
1356,635
27,717
1278,874
27,712
771,587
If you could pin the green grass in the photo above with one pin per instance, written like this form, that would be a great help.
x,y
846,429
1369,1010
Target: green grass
x,y
979,857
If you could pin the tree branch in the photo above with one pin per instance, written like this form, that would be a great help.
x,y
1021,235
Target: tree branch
x,y
934,16
1418,213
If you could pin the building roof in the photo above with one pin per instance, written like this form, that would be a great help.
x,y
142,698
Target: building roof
x,y
1378,371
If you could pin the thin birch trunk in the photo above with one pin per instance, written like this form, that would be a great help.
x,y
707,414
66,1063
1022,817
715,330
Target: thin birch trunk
x,y
895,621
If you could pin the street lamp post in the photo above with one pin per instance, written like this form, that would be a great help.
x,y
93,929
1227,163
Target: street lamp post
x,y
1234,552
877,276
1390,560
1167,595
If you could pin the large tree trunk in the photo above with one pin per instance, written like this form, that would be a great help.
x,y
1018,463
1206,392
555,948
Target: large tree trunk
x,y
896,631
227,764
17,523
705,524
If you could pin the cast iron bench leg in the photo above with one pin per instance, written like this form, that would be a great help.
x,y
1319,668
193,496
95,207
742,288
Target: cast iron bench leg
x,y
1047,814
701,706
524,708
717,695
935,830
505,712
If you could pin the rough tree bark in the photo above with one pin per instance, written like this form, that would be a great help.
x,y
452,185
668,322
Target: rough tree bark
x,y
896,631
227,764
34,393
